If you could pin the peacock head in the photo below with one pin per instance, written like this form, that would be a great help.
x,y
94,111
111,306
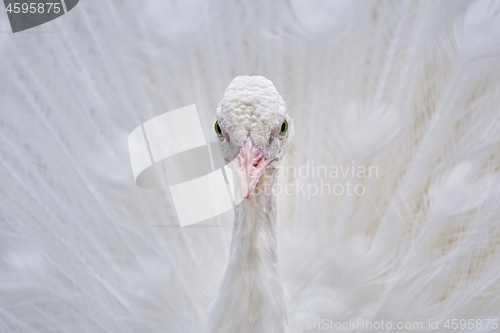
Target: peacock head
x,y
254,129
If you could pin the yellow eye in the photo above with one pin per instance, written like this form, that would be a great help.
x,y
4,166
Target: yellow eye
x,y
217,129
284,127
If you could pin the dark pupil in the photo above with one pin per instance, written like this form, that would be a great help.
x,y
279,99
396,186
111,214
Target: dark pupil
x,y
283,127
218,128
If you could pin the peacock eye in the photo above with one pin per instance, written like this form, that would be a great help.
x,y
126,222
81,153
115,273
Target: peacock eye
x,y
217,129
284,127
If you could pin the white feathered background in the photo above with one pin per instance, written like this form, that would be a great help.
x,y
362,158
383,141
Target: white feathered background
x,y
410,88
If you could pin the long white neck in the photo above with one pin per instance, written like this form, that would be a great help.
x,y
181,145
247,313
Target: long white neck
x,y
252,297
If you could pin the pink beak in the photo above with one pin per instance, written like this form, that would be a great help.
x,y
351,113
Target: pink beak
x,y
249,166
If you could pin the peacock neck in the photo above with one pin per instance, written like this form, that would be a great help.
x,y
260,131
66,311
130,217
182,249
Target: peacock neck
x,y
254,242
252,297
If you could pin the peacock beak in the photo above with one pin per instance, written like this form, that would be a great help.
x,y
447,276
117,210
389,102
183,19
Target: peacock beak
x,y
249,166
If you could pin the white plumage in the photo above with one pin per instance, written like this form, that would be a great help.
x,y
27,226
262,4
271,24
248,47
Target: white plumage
x,y
409,88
